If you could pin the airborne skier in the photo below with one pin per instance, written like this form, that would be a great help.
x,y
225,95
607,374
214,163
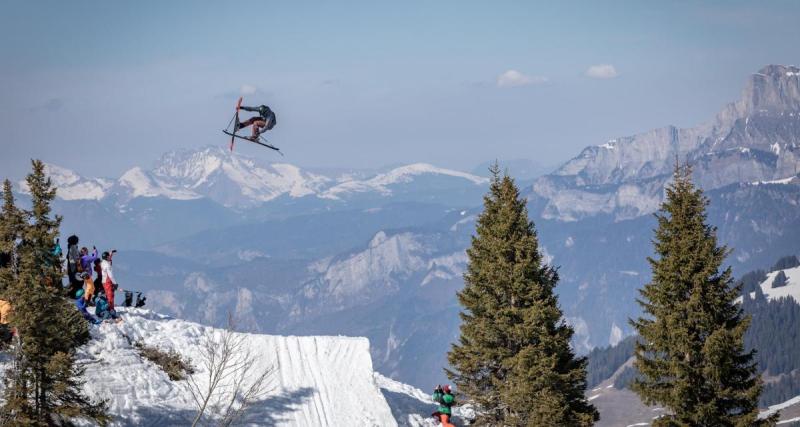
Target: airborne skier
x,y
264,121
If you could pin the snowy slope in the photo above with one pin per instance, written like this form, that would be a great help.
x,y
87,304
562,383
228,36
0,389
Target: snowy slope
x,y
320,381
791,290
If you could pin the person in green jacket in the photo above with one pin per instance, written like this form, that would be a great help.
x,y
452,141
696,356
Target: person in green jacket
x,y
444,397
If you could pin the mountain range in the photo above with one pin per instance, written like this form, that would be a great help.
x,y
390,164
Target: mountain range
x,y
381,253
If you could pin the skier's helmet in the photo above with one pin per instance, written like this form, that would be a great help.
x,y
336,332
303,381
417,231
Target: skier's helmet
x,y
446,388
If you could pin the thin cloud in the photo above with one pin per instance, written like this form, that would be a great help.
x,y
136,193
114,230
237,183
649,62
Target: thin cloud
x,y
514,78
248,90
601,71
244,90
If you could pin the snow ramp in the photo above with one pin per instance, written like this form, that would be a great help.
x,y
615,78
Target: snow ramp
x,y
318,381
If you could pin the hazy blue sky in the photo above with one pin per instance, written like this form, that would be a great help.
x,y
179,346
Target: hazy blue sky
x,y
101,86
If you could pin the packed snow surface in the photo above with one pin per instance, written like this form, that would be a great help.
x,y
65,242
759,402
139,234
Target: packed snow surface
x,y
318,381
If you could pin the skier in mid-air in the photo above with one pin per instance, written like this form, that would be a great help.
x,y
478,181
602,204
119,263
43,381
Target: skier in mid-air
x,y
264,121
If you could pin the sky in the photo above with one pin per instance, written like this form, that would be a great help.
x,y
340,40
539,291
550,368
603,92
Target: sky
x,y
99,86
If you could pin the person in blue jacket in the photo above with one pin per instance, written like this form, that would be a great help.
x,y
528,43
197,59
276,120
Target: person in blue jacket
x,y
103,309
80,302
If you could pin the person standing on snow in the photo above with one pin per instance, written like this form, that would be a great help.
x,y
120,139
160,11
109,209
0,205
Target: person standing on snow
x,y
73,263
109,283
87,264
444,397
265,120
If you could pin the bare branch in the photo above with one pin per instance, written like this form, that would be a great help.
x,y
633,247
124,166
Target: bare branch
x,y
232,382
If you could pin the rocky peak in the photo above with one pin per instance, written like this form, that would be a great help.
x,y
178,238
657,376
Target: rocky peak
x,y
774,89
752,139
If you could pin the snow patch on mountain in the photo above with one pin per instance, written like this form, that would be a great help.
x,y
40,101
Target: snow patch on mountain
x,y
791,290
446,267
320,381
788,180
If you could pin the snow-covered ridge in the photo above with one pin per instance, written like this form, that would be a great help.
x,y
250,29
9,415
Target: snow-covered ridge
x,y
318,381
404,174
72,186
236,180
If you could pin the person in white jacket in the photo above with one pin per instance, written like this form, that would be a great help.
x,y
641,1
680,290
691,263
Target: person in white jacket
x,y
109,283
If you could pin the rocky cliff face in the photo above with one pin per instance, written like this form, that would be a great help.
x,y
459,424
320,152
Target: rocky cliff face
x,y
754,139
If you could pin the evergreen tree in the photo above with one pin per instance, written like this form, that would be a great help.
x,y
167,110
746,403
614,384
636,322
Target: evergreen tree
x,y
513,358
10,232
691,356
780,280
43,387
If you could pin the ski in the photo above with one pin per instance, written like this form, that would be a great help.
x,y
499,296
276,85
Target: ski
x,y
254,142
236,121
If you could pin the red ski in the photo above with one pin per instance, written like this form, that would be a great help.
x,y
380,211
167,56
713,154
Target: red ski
x,y
235,121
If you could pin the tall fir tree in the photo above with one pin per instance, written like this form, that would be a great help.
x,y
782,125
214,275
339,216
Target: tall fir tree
x,y
513,359
691,357
10,232
43,387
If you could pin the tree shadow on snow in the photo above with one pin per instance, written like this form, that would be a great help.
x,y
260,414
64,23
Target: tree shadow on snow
x,y
269,411
274,409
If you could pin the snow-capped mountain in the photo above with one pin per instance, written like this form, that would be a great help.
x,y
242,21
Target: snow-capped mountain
x,y
139,183
754,139
72,186
238,181
232,179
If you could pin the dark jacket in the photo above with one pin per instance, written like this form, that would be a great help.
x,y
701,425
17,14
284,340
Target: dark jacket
x,y
266,113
